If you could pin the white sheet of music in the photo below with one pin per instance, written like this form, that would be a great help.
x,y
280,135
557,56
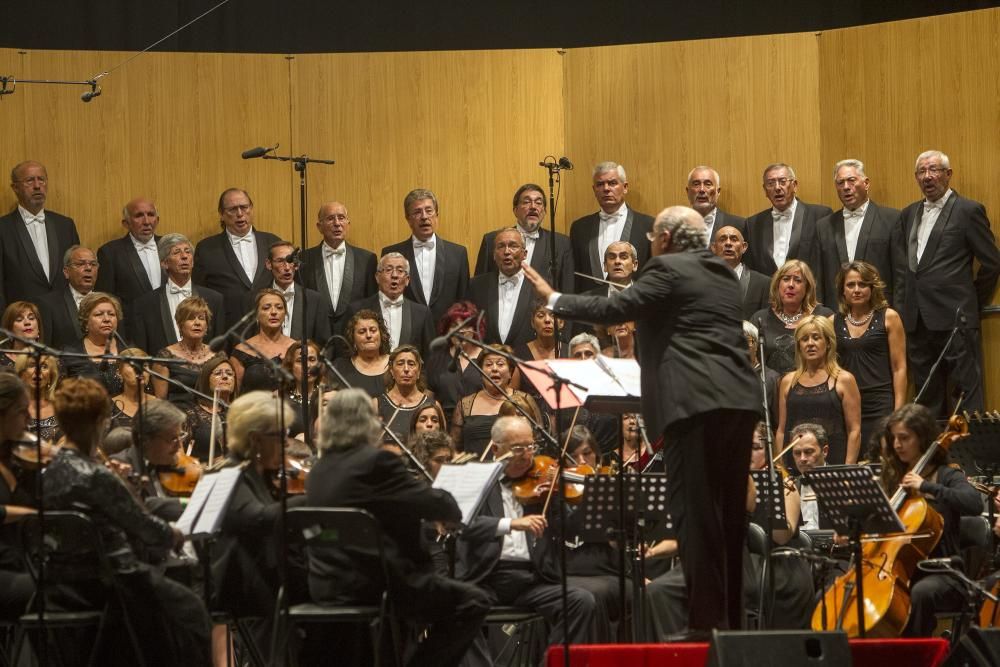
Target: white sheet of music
x,y
598,381
207,506
468,484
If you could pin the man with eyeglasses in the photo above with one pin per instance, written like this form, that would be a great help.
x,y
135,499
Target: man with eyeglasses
x,y
154,326
935,289
407,321
233,262
529,212
60,308
315,321
132,263
502,293
339,271
439,273
512,551
785,231
32,240
861,231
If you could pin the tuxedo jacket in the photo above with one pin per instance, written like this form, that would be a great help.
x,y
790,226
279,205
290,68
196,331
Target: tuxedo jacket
x,y
539,258
803,245
943,279
451,274
875,246
358,281
417,322
153,326
21,274
318,316
217,268
122,273
755,291
485,293
583,236
689,335
723,219
60,318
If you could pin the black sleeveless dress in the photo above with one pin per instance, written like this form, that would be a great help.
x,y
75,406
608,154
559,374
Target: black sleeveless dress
x,y
867,357
818,405
397,418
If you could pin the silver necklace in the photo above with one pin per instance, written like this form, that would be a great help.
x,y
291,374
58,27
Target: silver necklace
x,y
789,319
863,321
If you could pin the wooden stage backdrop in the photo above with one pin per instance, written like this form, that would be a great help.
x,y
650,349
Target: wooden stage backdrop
x,y
472,126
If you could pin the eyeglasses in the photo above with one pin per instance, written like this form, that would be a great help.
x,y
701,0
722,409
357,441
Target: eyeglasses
x,y
223,373
393,270
932,171
238,208
181,437
521,450
772,182
82,263
32,180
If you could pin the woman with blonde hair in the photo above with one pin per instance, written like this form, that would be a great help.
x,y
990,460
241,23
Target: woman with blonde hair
x,y
44,384
193,318
821,392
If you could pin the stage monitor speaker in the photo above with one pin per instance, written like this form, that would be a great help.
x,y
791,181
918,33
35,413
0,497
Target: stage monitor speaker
x,y
779,648
980,647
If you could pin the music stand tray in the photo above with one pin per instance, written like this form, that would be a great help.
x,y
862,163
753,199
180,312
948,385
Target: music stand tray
x,y
600,508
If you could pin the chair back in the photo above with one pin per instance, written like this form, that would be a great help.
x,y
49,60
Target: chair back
x,y
69,547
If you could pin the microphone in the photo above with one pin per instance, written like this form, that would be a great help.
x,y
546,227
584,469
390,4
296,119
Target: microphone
x,y
219,342
453,364
94,91
259,151
441,342
293,259
107,350
565,163
941,563
121,341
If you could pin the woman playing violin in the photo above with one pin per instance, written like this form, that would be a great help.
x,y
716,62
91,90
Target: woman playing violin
x,y
910,432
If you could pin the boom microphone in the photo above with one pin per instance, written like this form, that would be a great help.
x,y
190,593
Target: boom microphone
x,y
565,163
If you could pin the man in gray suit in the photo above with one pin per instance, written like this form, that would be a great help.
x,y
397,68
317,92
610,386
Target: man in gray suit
x,y
935,288
703,189
861,231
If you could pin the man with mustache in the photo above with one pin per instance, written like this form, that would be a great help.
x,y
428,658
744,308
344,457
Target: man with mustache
x,y
407,321
132,263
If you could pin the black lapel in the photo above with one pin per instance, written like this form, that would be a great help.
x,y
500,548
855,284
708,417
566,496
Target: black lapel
x,y
166,321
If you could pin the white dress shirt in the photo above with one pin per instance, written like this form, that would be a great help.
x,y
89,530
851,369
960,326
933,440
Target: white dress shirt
x,y
392,315
929,218
782,232
614,290
77,296
245,248
509,288
852,228
149,257
515,542
175,294
739,271
289,293
709,223
35,224
333,265
610,230
424,256
530,240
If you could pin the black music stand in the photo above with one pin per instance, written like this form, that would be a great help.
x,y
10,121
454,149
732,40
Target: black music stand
x,y
771,496
979,454
855,504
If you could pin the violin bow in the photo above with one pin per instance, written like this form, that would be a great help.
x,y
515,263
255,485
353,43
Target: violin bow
x,y
562,455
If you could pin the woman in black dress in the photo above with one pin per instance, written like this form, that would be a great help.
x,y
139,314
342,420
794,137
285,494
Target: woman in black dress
x,y
293,364
193,318
821,392
449,375
21,318
126,404
793,297
871,343
46,386
100,314
368,344
405,392
216,374
269,339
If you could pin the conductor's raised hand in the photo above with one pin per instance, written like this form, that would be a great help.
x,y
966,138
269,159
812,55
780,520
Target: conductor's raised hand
x,y
542,288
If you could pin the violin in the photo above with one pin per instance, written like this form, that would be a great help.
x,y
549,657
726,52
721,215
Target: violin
x,y
534,486
180,478
889,564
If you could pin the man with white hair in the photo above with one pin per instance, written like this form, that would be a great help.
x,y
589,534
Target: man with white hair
x,y
699,392
935,289
591,235
703,189
407,321
861,231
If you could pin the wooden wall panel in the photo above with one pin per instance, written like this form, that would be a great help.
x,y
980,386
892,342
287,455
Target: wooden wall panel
x,y
661,109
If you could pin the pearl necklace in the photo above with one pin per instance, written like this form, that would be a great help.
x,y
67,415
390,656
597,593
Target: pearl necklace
x,y
789,319
863,321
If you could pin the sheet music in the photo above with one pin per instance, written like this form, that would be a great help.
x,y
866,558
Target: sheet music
x,y
468,484
208,503
586,373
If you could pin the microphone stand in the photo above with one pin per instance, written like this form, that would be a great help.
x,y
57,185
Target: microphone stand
x,y
773,485
959,325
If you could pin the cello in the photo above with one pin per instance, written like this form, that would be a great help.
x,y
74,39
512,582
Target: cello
x,y
889,562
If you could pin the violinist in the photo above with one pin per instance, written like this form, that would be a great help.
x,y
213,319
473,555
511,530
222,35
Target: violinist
x,y
909,433
170,620
46,386
16,499
809,452
512,552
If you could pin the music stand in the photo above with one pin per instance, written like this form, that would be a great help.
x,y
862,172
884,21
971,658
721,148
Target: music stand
x,y
978,454
856,504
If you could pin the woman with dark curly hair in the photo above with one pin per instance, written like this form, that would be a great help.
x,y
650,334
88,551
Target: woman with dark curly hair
x,y
368,344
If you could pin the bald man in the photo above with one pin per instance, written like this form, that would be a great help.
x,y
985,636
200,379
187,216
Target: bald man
x,y
729,244
130,265
703,189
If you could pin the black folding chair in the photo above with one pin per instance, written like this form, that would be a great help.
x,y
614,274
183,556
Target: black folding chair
x,y
72,554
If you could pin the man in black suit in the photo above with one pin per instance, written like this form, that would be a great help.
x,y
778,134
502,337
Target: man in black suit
x,y
785,231
591,235
339,271
407,321
503,295
316,317
154,326
353,471
232,262
511,551
439,273
862,230
621,261
703,190
131,264
529,211
60,308
33,241
935,289
754,287
699,391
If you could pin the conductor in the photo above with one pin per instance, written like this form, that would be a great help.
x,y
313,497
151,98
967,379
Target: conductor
x,y
699,391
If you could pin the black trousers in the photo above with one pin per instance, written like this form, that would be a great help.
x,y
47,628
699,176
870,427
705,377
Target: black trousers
x,y
524,588
961,367
707,458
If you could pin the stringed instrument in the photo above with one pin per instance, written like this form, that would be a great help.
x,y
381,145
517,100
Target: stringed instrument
x,y
889,564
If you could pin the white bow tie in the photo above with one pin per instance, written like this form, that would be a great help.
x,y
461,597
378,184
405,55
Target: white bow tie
x,y
931,205
710,220
856,213
509,280
781,215
608,217
530,235
186,291
148,245
387,303
40,218
424,244
288,293
330,252
242,239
